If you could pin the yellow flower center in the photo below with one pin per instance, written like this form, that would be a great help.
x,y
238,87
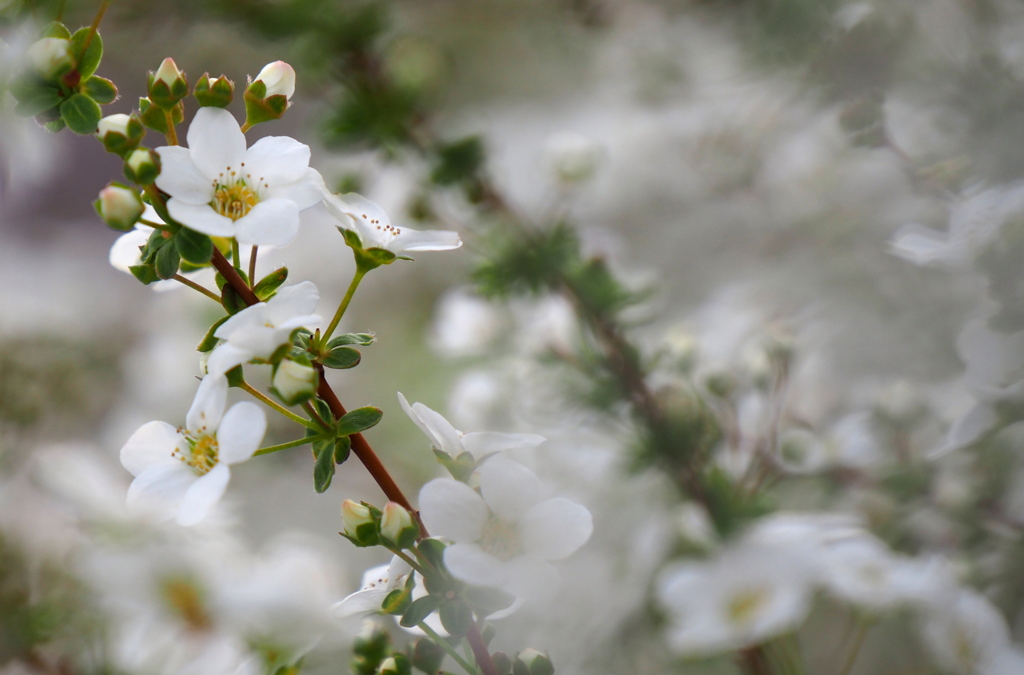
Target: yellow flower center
x,y
234,195
186,599
501,539
202,454
745,605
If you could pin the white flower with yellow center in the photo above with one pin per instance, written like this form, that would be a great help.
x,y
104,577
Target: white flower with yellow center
x,y
220,188
183,472
504,535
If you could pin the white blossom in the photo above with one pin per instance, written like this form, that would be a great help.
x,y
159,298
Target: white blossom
x,y
369,221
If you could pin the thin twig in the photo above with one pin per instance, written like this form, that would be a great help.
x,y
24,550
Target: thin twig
x,y
202,289
480,652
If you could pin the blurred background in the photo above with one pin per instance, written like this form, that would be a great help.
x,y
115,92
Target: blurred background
x,y
839,178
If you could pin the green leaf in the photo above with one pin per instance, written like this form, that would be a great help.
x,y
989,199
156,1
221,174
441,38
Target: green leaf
x,y
358,420
209,341
167,261
352,339
235,376
269,284
342,448
35,100
81,114
432,550
323,470
418,610
195,247
341,357
100,89
456,617
396,601
57,30
231,300
144,273
88,57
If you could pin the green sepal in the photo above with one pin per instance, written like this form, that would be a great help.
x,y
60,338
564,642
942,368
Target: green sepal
x,y
153,116
433,551
156,241
145,273
323,469
230,298
164,96
419,609
352,339
461,467
341,358
81,114
35,100
100,89
56,30
195,247
358,420
214,93
209,340
269,284
456,617
367,258
342,448
259,108
167,261
236,377
398,600
87,58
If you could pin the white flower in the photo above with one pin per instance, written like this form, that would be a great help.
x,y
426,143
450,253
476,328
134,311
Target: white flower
x,y
571,157
220,188
505,534
749,593
257,331
184,472
358,214
966,634
279,78
452,442
377,583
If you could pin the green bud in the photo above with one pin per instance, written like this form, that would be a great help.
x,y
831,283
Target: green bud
x,y
397,527
142,166
395,665
294,382
427,655
120,133
50,57
360,523
119,207
532,662
167,86
502,663
214,93
269,95
370,647
153,116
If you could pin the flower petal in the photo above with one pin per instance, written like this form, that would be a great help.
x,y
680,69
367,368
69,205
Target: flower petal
x,y
216,142
483,443
360,602
224,358
203,494
452,509
555,528
125,250
290,301
305,192
430,240
153,443
530,578
277,160
208,406
201,218
441,433
509,488
472,564
272,222
181,178
241,432
160,488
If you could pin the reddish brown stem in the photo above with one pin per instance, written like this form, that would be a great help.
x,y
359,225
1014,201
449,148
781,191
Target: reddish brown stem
x,y
755,661
480,652
233,278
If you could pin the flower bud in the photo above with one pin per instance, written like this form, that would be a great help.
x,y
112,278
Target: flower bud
x,y
50,57
427,655
397,526
120,133
294,382
531,662
360,523
268,96
370,648
119,207
572,157
167,85
214,93
142,166
154,117
395,665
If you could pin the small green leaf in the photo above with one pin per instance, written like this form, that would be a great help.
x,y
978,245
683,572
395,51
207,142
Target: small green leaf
x,y
342,448
209,341
323,470
231,300
88,57
167,261
352,339
432,550
358,420
269,284
144,273
35,100
456,617
341,357
396,601
81,114
57,30
100,89
418,610
195,247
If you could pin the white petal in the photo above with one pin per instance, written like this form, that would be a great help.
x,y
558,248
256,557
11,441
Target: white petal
x,y
418,421
181,178
272,222
291,301
441,433
968,428
125,251
483,443
359,207
224,358
431,240
453,510
922,245
201,218
277,160
305,192
161,487
530,578
244,321
471,564
241,432
203,494
555,528
360,602
509,488
216,141
208,406
153,443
